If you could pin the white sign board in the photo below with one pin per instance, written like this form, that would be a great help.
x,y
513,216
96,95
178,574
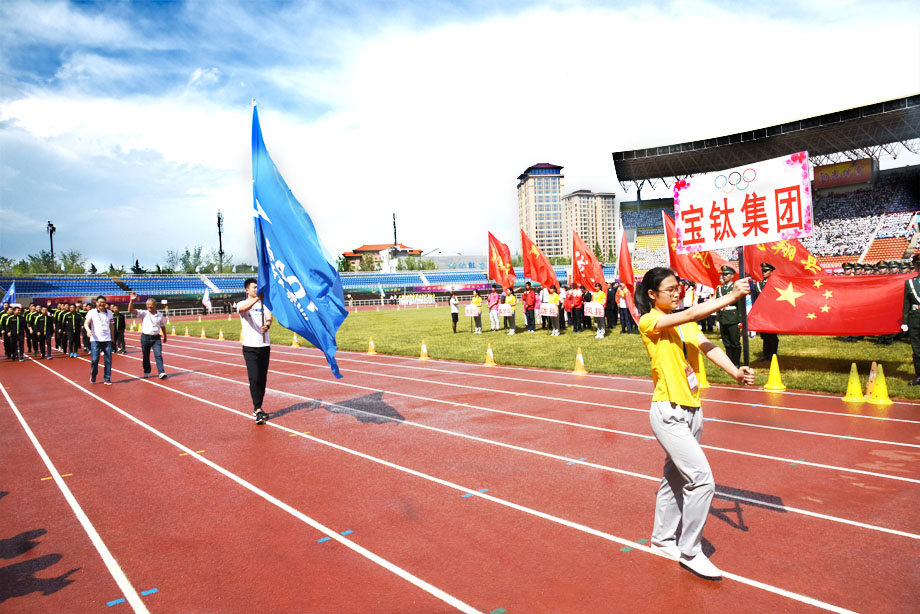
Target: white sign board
x,y
594,310
505,310
755,203
548,310
471,311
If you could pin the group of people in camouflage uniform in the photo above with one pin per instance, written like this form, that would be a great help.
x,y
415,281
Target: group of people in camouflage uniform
x,y
34,330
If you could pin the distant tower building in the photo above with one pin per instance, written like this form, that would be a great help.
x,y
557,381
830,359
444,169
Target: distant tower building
x,y
540,212
594,216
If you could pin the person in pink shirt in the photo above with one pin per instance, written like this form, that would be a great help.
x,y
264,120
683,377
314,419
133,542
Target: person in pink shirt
x,y
494,300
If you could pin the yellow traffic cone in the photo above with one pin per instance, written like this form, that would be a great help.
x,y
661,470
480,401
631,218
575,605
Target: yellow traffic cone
x,y
774,381
854,388
173,330
490,358
880,389
870,383
371,348
199,318
701,376
579,364
378,307
294,343
167,321
424,353
186,332
203,336
220,335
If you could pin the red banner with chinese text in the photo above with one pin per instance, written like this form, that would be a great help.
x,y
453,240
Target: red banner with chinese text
x,y
701,267
844,173
627,277
586,269
787,257
841,305
760,202
500,269
536,265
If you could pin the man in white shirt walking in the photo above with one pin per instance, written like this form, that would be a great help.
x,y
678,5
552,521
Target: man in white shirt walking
x,y
255,320
98,327
152,323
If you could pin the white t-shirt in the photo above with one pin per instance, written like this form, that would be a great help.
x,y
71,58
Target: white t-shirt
x,y
251,322
454,305
151,323
99,324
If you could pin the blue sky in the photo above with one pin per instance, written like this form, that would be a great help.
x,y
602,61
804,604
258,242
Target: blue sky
x,y
127,123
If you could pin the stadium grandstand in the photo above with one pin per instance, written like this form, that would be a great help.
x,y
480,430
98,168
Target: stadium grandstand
x,y
862,214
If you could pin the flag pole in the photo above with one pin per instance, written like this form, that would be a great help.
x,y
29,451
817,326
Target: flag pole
x,y
744,325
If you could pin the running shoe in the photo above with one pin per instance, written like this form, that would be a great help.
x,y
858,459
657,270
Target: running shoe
x,y
162,376
260,416
107,383
701,566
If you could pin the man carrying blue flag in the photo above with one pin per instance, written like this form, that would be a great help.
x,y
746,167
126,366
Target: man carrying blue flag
x,y
255,320
298,281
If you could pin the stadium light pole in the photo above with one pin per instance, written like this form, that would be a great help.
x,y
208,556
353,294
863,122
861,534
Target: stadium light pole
x,y
51,230
220,242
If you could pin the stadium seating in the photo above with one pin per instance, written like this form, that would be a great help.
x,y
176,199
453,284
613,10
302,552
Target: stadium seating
x,y
62,285
164,285
892,248
649,252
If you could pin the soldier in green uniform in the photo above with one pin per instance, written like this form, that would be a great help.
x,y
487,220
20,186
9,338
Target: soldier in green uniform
x,y
730,317
770,340
911,316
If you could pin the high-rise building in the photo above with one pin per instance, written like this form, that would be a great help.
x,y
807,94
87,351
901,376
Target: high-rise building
x,y
540,212
595,217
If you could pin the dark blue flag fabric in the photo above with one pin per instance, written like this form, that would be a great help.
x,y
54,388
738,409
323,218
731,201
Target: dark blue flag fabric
x,y
10,296
300,282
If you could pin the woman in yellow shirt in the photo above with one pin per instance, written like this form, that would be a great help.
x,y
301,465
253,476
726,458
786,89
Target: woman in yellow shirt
x,y
554,300
599,297
674,343
510,299
477,300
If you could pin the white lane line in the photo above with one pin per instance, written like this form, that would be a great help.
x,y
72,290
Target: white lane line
x,y
582,402
402,573
553,420
720,494
476,493
111,564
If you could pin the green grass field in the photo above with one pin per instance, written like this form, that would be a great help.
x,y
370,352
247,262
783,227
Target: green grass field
x,y
807,363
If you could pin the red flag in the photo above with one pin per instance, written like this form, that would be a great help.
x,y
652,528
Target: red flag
x,y
536,264
586,269
627,278
701,267
789,257
844,305
500,268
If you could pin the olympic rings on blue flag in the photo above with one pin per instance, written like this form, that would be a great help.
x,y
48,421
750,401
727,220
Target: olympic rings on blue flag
x,y
741,181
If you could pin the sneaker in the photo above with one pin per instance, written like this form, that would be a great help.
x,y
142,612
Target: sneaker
x,y
260,416
670,551
92,380
162,376
146,375
107,383
701,566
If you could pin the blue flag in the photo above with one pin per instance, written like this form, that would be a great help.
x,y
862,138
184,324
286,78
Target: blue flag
x,y
300,282
10,296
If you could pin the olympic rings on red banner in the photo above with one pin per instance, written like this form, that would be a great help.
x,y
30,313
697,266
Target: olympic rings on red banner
x,y
741,181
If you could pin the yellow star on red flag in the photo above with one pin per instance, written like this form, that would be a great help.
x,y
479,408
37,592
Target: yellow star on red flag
x,y
818,283
789,294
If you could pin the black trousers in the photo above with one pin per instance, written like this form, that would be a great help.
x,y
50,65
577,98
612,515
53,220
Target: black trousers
x,y
119,345
529,318
72,341
43,343
257,368
19,345
577,319
770,344
611,315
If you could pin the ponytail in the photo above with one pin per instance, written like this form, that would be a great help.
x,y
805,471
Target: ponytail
x,y
650,281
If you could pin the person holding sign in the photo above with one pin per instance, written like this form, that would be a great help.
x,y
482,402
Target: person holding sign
x,y
554,320
675,346
600,298
476,301
730,316
510,301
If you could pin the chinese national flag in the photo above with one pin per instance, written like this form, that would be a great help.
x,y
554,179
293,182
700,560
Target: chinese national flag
x,y
586,270
789,257
627,278
500,268
701,267
844,305
536,264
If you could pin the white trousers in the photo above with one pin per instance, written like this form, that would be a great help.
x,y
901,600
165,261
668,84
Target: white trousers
x,y
493,318
687,487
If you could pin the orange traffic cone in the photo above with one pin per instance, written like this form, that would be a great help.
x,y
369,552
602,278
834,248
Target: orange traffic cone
x,y
186,332
203,336
774,380
870,383
490,358
220,335
371,348
199,317
294,343
880,389
579,364
173,330
424,353
854,389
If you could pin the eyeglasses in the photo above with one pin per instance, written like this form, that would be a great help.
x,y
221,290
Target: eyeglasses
x,y
673,290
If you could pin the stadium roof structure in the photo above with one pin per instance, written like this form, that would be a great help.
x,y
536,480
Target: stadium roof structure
x,y
861,132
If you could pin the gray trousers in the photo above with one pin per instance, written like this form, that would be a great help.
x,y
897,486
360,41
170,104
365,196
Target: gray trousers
x,y
687,487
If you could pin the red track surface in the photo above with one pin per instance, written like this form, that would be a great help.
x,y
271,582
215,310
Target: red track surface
x,y
818,512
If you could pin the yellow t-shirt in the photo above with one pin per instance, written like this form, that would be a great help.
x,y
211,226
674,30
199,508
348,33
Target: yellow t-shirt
x,y
600,297
476,300
553,298
666,351
510,299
